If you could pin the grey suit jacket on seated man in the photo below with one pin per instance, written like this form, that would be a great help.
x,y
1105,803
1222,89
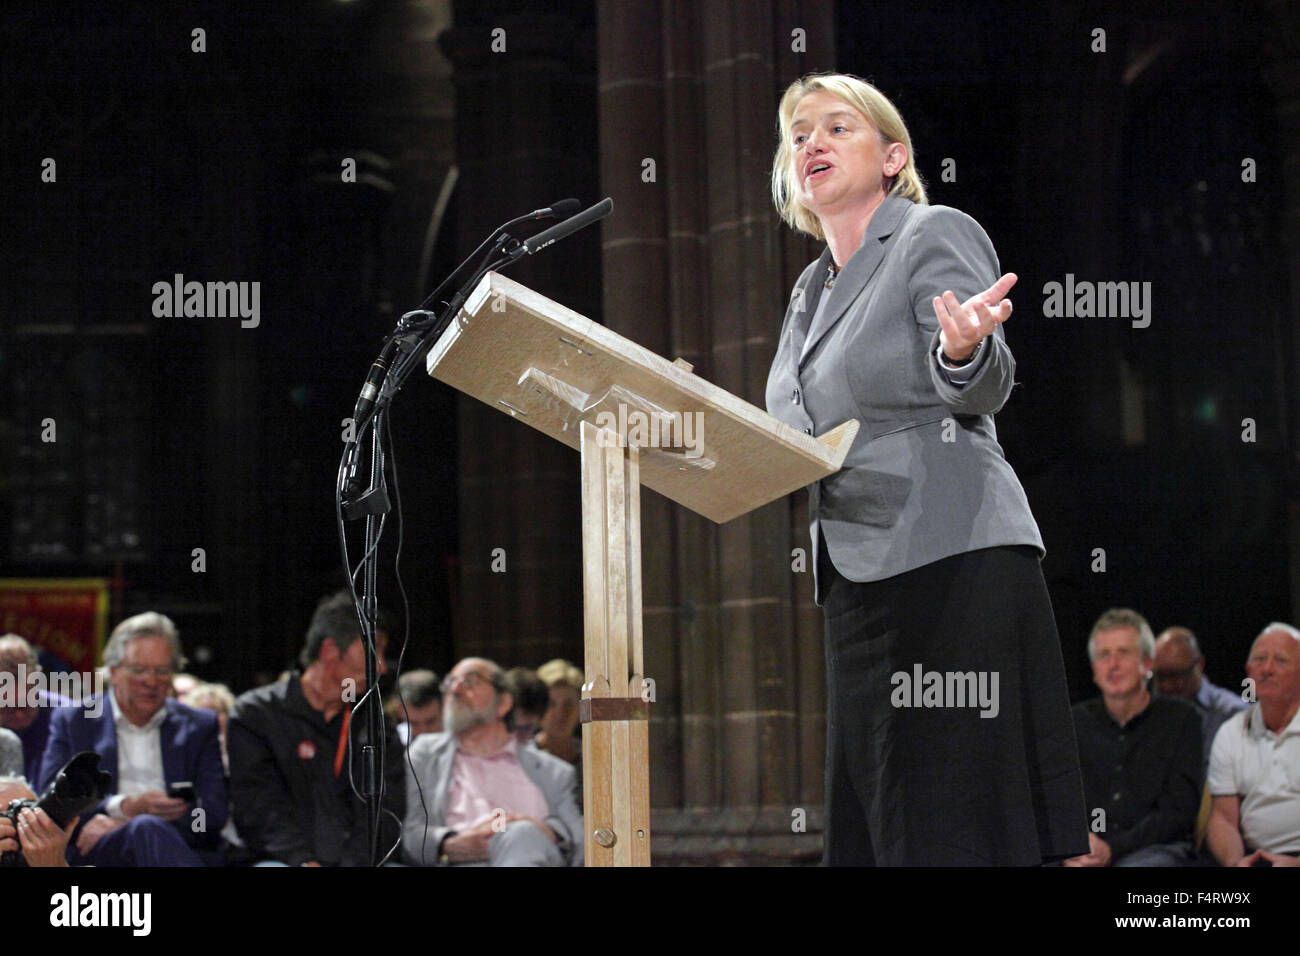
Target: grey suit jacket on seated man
x,y
11,755
432,756
926,478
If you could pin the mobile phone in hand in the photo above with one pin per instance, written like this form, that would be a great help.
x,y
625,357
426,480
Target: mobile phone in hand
x,y
183,790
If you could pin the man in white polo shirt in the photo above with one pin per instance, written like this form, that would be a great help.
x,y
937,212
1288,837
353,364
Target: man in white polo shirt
x,y
1255,762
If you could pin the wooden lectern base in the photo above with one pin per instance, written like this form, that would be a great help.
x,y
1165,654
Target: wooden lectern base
x,y
615,717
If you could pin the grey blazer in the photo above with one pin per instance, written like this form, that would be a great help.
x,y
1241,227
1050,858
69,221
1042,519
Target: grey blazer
x,y
432,756
925,478
11,755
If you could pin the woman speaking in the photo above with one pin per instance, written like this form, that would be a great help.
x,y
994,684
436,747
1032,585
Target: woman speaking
x,y
948,732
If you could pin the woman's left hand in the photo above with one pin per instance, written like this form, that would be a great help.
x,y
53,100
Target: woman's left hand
x,y
964,325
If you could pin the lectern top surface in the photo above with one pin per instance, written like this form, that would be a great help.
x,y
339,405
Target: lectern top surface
x,y
544,364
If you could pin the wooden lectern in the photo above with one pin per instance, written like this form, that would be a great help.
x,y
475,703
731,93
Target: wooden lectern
x,y
637,419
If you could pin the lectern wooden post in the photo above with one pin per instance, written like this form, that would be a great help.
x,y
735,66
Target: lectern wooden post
x,y
637,419
615,717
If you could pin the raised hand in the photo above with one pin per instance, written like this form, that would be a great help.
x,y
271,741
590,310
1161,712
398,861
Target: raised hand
x,y
963,325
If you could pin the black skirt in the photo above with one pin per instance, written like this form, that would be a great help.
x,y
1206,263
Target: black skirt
x,y
949,740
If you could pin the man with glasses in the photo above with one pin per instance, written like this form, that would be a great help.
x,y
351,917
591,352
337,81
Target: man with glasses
x,y
148,742
1180,672
475,796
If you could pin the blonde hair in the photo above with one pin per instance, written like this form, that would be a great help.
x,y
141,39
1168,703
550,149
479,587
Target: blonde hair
x,y
560,671
211,697
867,100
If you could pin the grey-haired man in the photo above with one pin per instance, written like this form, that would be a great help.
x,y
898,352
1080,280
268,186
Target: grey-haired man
x,y
489,800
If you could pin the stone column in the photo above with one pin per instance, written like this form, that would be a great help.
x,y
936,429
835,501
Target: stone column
x,y
525,107
697,265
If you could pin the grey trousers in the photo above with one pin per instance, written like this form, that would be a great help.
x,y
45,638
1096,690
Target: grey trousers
x,y
522,844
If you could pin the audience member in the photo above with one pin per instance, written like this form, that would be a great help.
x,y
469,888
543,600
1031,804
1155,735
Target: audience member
x,y
1255,762
417,705
182,684
148,742
475,796
218,699
11,754
31,723
36,836
559,734
532,697
295,756
1140,755
1180,672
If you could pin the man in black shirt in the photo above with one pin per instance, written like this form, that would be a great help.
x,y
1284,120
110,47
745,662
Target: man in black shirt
x,y
1140,755
295,754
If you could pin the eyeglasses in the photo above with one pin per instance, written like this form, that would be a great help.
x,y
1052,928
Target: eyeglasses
x,y
161,673
471,680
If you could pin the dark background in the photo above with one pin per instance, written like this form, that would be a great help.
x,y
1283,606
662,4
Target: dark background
x,y
181,433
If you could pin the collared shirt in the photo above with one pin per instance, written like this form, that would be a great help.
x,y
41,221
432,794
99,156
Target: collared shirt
x,y
1262,768
1217,698
1145,775
481,786
139,757
1216,706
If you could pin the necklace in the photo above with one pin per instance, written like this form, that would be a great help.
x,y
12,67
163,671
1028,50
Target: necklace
x,y
831,273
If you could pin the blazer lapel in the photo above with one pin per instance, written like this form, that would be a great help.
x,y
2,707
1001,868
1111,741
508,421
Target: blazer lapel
x,y
172,758
857,271
108,742
811,293
530,764
442,771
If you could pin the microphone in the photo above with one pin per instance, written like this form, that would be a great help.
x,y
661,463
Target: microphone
x,y
537,243
374,380
557,210
560,210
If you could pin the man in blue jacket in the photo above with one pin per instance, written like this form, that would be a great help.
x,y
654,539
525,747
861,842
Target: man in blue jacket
x,y
148,742
31,722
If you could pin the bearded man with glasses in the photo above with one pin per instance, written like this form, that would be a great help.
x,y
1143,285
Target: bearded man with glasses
x,y
475,796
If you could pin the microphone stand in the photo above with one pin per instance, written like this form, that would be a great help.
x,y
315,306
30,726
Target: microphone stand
x,y
403,350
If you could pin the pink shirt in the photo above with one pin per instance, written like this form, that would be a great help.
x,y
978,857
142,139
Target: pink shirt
x,y
482,785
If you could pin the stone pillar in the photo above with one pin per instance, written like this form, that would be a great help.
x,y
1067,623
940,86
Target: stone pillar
x,y
697,265
525,137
